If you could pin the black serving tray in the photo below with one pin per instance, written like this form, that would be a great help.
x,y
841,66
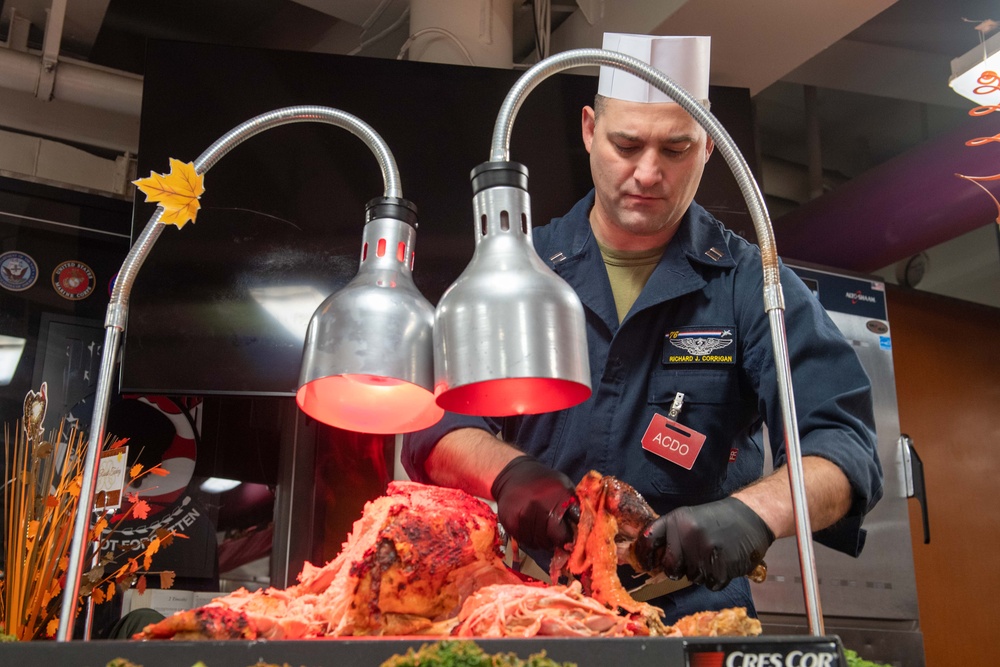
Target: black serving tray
x,y
777,651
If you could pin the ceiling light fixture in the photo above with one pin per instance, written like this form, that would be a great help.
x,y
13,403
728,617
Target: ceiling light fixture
x,y
974,75
219,485
11,349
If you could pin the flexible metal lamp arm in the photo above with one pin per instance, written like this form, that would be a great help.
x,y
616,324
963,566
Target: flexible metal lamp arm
x,y
117,312
773,297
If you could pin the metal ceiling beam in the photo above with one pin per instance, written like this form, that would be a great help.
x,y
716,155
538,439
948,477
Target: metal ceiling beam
x,y
356,12
882,71
586,29
758,42
754,42
82,24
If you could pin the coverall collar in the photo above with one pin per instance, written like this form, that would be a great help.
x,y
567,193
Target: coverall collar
x,y
577,259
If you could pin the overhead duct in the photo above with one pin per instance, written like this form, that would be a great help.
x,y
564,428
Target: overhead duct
x,y
900,208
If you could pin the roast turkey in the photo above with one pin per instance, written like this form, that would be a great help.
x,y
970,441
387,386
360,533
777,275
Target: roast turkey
x,y
409,563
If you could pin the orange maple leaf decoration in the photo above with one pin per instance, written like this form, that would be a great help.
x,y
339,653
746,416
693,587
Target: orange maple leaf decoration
x,y
141,510
177,192
151,549
98,528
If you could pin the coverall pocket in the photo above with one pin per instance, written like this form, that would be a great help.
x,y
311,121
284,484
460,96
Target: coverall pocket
x,y
698,386
711,406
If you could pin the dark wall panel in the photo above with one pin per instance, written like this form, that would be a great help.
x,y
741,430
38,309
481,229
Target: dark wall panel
x,y
282,214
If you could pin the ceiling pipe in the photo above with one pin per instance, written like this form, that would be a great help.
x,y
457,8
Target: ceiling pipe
x,y
900,208
814,150
463,33
73,81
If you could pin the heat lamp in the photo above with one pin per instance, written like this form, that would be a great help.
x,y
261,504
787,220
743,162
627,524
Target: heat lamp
x,y
509,334
367,364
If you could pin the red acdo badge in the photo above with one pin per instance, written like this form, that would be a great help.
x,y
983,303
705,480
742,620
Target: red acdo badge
x,y
672,441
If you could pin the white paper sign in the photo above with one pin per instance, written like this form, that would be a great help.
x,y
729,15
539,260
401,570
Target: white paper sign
x,y
110,479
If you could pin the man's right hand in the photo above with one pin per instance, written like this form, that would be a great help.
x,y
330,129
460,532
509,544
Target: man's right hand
x,y
532,499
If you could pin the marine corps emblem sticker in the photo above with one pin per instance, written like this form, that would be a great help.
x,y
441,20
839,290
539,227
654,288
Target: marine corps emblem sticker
x,y
73,280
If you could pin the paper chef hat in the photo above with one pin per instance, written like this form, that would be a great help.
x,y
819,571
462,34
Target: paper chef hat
x,y
684,59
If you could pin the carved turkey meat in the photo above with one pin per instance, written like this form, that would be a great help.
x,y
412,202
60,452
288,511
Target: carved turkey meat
x,y
409,563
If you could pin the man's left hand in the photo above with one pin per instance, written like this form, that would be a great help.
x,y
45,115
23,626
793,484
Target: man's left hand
x,y
710,544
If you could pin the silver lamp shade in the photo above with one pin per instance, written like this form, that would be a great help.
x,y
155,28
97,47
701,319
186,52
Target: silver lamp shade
x,y
368,359
509,334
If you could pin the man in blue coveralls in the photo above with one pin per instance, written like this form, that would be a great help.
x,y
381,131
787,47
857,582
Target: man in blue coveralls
x,y
682,367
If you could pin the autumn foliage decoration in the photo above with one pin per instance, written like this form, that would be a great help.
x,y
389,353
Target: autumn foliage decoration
x,y
108,577
44,479
40,502
177,193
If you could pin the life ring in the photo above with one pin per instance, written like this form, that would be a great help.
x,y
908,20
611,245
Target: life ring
x,y
179,454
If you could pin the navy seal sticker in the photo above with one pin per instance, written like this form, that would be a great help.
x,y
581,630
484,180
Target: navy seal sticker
x,y
700,345
18,271
73,280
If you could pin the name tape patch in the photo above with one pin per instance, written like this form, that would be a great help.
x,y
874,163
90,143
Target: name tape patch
x,y
700,345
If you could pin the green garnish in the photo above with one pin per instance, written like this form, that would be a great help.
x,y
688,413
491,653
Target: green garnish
x,y
454,653
855,660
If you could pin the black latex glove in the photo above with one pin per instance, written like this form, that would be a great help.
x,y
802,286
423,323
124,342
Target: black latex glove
x,y
532,499
710,544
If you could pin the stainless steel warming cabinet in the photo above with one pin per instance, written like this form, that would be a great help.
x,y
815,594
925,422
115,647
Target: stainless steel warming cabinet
x,y
869,601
